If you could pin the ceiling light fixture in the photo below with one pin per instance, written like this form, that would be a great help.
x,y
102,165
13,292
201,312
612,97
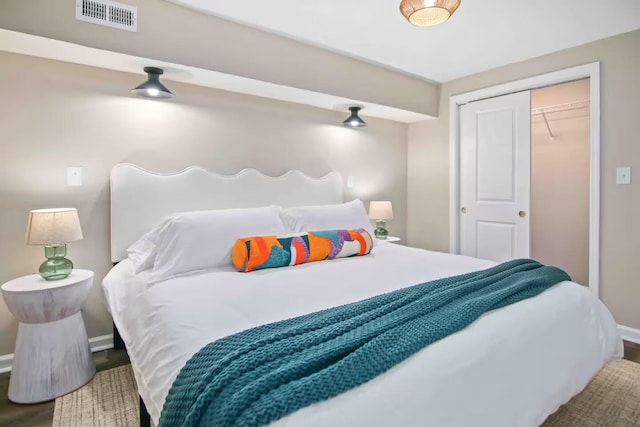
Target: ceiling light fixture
x,y
354,121
425,13
152,88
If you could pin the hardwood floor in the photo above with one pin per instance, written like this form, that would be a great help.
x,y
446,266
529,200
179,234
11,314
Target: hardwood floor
x,y
40,415
632,351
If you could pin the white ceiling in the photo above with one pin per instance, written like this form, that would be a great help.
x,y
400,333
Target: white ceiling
x,y
481,35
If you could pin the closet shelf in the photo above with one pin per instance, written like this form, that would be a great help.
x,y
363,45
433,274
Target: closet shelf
x,y
576,105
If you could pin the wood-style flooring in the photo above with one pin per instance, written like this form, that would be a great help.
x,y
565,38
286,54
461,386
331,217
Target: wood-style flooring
x,y
40,415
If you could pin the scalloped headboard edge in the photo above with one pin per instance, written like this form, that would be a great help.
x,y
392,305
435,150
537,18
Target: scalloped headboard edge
x,y
141,199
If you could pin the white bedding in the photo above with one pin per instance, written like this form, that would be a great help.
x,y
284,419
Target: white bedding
x,y
512,367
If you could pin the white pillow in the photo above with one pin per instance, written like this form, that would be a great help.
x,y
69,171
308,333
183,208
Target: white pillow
x,y
350,215
195,241
143,252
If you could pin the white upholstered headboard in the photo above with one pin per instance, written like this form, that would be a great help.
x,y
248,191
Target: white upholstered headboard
x,y
141,199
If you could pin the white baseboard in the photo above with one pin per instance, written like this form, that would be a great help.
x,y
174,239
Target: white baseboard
x,y
629,334
101,343
104,342
5,363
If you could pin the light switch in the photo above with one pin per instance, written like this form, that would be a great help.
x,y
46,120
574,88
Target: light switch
x,y
623,176
350,181
74,176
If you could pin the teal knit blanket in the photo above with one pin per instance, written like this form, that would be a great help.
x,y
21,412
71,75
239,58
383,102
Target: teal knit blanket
x,y
262,374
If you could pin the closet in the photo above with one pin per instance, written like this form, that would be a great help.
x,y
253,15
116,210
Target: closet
x,y
524,177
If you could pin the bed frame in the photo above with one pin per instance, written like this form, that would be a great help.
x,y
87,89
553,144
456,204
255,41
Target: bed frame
x,y
141,199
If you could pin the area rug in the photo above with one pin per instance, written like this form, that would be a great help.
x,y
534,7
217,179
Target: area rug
x,y
109,400
612,399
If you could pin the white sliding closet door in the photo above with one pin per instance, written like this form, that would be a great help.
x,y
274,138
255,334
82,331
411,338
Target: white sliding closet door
x,y
495,170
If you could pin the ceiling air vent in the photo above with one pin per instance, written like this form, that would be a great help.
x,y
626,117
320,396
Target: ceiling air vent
x,y
109,13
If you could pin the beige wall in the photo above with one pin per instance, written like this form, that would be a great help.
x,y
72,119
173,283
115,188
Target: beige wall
x,y
55,115
428,167
560,181
180,35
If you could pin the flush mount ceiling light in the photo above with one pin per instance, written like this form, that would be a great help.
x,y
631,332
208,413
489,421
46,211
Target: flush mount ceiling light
x,y
152,88
425,13
354,121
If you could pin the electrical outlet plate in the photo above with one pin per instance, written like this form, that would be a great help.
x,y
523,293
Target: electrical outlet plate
x,y
74,176
623,176
349,181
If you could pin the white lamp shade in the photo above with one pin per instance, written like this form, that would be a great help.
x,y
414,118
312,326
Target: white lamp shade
x,y
380,210
52,226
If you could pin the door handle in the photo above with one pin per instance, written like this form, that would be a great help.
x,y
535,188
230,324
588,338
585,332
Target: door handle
x,y
522,214
463,210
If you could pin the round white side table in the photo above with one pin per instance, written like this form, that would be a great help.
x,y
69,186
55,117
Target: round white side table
x,y
52,355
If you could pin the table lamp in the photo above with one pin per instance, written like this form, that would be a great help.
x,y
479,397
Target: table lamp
x,y
381,211
54,228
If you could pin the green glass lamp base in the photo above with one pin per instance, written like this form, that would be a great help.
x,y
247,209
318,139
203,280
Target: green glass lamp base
x,y
381,231
56,266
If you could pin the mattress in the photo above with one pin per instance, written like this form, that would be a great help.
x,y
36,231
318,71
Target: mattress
x,y
512,367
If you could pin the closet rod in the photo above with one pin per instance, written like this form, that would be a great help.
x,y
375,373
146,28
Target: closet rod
x,y
561,107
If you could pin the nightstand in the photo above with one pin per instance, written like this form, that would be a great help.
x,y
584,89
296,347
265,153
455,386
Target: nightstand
x,y
52,355
390,239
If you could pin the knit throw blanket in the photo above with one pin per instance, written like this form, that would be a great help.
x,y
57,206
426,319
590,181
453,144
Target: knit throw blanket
x,y
262,374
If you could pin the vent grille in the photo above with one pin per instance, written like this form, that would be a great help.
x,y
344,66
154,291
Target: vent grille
x,y
95,10
109,13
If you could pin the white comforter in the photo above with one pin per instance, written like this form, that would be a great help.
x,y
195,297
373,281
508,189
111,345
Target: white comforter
x,y
512,367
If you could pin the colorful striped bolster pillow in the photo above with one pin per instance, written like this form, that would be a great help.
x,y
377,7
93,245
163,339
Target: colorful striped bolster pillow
x,y
257,253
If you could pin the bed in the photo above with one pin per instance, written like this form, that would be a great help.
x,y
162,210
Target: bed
x,y
512,367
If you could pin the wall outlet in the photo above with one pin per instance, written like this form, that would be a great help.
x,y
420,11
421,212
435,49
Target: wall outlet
x,y
350,181
623,176
74,176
